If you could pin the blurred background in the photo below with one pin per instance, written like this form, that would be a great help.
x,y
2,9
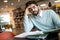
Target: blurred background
x,y
12,13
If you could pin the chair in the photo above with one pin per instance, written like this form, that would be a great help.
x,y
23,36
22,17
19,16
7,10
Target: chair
x,y
6,35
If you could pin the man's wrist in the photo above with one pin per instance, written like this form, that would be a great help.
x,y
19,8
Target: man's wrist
x,y
25,15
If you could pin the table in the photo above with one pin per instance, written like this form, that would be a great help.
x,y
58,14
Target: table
x,y
18,39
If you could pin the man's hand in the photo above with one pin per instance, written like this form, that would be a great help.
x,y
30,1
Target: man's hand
x,y
27,11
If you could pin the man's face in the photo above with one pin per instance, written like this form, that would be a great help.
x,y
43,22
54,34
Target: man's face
x,y
33,9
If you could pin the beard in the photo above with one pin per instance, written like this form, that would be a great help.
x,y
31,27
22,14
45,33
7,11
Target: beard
x,y
35,13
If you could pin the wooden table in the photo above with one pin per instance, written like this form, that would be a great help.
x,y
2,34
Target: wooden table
x,y
18,39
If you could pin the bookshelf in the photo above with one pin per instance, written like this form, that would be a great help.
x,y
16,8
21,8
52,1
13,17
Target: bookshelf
x,y
18,18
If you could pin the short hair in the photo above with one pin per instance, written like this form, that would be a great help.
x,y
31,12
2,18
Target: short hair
x,y
31,2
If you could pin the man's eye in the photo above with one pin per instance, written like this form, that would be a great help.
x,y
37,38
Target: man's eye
x,y
34,7
30,9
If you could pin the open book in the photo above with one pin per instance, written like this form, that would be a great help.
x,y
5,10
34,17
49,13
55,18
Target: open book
x,y
25,34
35,34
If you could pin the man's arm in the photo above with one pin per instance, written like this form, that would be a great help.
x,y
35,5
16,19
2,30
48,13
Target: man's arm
x,y
28,25
55,19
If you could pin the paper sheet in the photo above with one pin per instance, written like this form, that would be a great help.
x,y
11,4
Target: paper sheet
x,y
25,34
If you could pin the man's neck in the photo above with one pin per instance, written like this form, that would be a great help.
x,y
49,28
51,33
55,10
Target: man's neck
x,y
40,13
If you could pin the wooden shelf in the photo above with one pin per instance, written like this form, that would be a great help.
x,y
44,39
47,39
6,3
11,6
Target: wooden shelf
x,y
18,18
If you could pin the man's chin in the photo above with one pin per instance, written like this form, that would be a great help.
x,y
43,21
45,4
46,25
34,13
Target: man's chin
x,y
35,14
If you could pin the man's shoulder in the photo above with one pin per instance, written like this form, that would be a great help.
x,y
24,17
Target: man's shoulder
x,y
48,10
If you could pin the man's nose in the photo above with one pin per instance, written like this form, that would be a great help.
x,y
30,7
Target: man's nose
x,y
32,9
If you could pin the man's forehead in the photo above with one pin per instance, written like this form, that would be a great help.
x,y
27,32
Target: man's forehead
x,y
30,6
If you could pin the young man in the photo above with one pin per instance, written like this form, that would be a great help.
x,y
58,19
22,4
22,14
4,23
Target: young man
x,y
44,20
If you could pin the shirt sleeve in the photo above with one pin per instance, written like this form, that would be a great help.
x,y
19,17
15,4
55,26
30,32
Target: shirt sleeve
x,y
55,18
28,25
